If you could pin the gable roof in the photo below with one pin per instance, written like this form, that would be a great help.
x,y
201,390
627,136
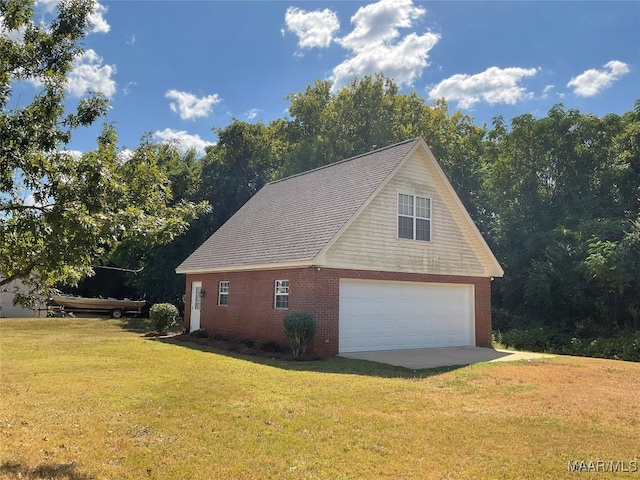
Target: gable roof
x,y
291,221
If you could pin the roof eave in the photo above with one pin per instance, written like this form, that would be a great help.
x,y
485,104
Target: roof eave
x,y
247,268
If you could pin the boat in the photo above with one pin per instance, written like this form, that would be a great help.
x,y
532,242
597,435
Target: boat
x,y
116,308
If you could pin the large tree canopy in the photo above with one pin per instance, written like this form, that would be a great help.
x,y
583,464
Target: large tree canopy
x,y
564,197
61,213
230,173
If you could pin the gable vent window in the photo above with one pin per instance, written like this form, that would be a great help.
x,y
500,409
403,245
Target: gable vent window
x,y
223,293
282,294
414,217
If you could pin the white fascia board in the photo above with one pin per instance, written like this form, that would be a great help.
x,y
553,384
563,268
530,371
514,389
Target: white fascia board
x,y
247,268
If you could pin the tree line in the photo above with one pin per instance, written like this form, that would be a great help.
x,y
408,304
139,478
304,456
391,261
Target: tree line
x,y
556,197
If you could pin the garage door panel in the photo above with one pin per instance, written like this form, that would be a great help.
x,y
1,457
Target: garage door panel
x,y
396,315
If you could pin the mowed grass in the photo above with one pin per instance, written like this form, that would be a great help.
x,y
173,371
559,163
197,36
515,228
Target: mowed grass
x,y
92,398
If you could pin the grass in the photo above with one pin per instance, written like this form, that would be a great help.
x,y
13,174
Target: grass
x,y
85,399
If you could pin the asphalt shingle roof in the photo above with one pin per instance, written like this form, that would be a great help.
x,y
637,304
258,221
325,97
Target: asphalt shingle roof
x,y
294,218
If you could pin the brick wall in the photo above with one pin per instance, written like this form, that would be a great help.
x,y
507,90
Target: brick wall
x,y
251,313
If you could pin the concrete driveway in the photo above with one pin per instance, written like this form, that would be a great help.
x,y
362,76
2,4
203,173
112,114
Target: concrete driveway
x,y
441,357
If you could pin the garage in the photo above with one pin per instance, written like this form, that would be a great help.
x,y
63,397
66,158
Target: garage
x,y
386,315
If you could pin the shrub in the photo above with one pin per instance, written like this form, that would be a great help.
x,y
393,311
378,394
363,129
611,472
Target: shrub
x,y
536,338
199,333
218,336
271,346
299,328
163,316
623,346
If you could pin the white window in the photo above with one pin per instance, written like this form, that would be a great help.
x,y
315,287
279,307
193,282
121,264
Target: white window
x,y
282,294
223,293
197,297
414,217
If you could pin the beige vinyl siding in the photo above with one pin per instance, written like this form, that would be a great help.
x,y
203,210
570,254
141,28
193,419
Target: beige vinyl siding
x,y
371,240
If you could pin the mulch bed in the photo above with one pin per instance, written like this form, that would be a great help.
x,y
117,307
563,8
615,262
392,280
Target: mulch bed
x,y
245,347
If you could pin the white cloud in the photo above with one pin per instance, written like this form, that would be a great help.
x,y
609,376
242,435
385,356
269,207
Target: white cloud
x,y
494,85
314,29
184,140
97,23
376,44
128,88
88,73
253,113
47,5
77,154
403,62
190,107
379,22
592,82
96,19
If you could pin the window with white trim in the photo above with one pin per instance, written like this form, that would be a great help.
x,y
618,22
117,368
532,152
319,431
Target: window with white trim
x,y
414,217
282,294
223,293
197,297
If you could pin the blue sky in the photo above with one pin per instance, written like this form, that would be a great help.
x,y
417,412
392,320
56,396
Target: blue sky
x,y
177,69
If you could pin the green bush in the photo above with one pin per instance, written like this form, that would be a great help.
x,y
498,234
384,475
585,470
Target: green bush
x,y
163,316
199,333
537,339
299,328
623,346
268,345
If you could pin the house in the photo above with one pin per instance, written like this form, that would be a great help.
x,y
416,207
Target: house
x,y
8,309
378,248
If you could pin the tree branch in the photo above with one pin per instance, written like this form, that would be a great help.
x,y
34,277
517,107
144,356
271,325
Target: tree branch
x,y
13,207
121,269
21,274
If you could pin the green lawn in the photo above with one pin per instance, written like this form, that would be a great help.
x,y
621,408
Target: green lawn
x,y
96,399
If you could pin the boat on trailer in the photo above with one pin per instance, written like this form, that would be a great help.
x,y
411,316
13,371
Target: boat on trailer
x,y
116,308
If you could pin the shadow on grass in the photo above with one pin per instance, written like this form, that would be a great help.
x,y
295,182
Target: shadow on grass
x,y
62,471
340,365
129,324
145,326
136,324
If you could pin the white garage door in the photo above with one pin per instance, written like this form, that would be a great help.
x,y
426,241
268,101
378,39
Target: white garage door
x,y
378,315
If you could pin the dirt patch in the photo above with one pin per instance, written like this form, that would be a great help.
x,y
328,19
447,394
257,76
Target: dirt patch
x,y
247,347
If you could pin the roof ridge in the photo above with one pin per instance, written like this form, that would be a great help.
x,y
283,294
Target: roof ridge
x,y
344,160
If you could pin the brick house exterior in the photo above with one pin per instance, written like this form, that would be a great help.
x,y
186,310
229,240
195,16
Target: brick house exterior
x,y
295,230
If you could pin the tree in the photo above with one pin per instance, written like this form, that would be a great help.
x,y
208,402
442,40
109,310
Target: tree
x,y
61,213
370,113
563,198
243,160
157,281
